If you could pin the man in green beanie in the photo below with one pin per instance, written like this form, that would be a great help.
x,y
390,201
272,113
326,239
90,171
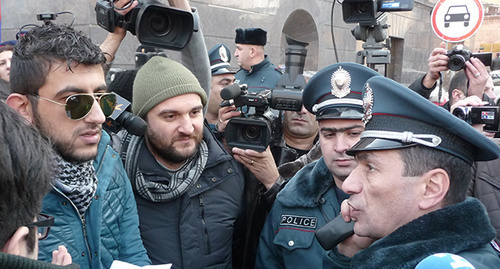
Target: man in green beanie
x,y
189,190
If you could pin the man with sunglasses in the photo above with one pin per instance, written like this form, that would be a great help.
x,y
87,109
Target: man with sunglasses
x,y
58,85
26,173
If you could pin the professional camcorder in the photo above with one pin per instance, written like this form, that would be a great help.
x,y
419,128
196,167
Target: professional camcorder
x,y
459,56
153,23
488,115
257,130
367,11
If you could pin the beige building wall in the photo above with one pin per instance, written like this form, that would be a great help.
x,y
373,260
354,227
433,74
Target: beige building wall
x,y
307,20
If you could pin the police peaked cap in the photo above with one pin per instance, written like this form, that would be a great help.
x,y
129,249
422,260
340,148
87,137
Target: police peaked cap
x,y
396,117
251,36
220,58
335,91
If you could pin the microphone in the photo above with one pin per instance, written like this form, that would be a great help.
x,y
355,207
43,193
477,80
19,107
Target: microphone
x,y
232,91
124,119
334,232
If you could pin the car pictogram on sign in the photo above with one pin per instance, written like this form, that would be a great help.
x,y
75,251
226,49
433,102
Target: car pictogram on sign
x,y
458,13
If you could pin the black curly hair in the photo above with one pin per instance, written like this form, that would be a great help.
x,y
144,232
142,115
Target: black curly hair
x,y
42,46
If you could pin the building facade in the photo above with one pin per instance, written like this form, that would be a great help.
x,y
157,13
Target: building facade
x,y
312,21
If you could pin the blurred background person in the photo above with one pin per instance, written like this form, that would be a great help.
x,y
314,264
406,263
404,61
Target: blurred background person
x,y
26,175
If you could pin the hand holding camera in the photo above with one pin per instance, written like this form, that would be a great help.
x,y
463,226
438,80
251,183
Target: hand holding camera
x,y
473,110
478,75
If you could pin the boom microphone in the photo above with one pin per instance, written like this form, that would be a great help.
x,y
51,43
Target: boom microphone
x,y
232,91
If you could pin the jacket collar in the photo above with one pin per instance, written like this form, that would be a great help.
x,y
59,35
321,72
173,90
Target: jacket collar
x,y
256,67
307,186
429,234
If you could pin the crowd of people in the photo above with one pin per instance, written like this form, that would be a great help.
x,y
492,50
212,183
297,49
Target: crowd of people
x,y
419,185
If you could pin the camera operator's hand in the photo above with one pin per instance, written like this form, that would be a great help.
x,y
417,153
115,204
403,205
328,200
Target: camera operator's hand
x,y
260,164
438,62
478,75
354,243
113,40
225,114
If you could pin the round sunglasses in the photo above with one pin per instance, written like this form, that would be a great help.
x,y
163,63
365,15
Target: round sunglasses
x,y
78,106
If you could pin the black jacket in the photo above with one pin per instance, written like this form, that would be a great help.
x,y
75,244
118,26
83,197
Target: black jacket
x,y
196,229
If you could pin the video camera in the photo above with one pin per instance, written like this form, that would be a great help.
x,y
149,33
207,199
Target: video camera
x,y
366,11
153,23
488,115
458,56
256,131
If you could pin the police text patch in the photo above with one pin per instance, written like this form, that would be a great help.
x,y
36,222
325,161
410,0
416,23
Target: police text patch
x,y
298,221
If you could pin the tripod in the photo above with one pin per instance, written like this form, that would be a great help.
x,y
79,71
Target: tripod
x,y
374,52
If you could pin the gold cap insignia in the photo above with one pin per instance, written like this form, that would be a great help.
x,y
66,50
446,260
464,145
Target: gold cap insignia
x,y
341,83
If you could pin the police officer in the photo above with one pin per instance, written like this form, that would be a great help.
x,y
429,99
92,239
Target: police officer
x,y
256,70
222,76
408,191
313,196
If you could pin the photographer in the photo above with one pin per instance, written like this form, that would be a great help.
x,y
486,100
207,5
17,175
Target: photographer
x,y
486,174
475,70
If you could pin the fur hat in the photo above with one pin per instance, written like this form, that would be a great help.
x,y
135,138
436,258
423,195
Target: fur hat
x,y
251,36
160,79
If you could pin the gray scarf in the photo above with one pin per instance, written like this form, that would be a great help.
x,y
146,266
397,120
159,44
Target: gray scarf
x,y
78,181
180,181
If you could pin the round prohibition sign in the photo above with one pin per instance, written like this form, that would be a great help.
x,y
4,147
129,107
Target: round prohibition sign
x,y
457,20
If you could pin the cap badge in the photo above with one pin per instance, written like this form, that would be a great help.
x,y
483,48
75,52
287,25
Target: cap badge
x,y
367,104
341,83
223,54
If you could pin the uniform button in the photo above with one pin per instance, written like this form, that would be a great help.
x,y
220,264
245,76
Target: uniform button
x,y
198,186
83,254
230,170
64,203
291,243
113,155
95,254
97,197
214,179
321,200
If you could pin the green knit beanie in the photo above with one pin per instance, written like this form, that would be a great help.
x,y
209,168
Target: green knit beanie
x,y
160,79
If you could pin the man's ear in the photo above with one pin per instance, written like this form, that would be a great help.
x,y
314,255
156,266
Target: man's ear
x,y
457,95
253,51
22,105
437,184
17,242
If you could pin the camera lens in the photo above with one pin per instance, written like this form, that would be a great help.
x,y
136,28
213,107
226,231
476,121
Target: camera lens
x,y
363,7
160,23
462,113
250,133
456,62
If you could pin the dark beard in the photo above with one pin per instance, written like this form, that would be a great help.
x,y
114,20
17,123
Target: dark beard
x,y
63,150
169,153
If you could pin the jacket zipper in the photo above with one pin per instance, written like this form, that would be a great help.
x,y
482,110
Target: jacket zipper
x,y
84,225
204,224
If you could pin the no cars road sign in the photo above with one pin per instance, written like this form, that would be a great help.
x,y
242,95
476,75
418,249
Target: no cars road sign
x,y
457,20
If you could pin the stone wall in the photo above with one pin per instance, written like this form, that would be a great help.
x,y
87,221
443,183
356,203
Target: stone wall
x,y
308,20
